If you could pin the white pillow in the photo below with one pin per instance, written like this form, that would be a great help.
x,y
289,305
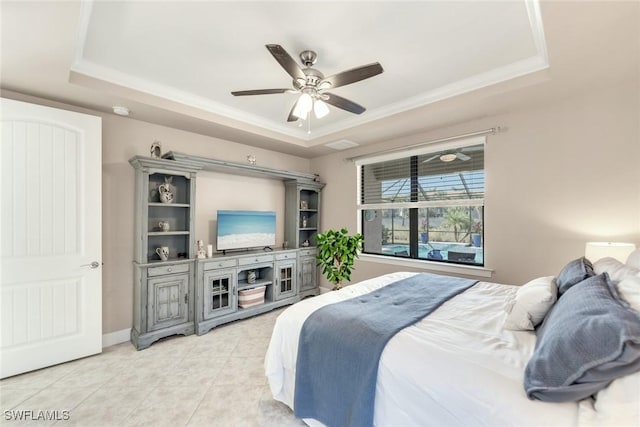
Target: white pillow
x,y
629,289
617,271
532,302
634,259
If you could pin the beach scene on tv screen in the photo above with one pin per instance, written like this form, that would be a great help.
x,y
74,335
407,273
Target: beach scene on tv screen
x,y
246,229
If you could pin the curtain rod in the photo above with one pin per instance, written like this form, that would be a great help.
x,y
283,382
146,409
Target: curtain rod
x,y
490,131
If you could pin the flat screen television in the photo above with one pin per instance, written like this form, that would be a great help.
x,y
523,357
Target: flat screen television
x,y
246,229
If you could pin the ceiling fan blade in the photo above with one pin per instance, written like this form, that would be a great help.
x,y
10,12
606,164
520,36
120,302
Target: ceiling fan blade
x,y
286,61
462,156
353,75
431,158
259,92
472,148
291,117
343,103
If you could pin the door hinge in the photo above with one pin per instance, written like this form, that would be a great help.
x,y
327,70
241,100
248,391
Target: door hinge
x,y
186,298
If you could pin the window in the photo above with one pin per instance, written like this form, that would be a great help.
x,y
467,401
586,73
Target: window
x,y
425,204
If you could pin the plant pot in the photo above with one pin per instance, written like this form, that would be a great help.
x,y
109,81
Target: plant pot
x,y
424,237
476,239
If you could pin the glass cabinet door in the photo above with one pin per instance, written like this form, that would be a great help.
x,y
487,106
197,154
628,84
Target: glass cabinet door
x,y
286,285
307,273
219,293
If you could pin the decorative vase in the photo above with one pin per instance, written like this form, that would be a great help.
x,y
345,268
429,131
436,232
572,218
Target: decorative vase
x,y
200,250
163,252
164,190
251,276
155,150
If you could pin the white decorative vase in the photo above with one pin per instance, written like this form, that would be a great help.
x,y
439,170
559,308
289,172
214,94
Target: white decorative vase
x,y
164,190
200,250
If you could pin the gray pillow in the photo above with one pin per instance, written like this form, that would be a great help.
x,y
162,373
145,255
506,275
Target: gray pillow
x,y
573,273
590,337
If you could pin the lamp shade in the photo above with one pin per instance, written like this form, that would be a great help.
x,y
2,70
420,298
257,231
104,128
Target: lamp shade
x,y
320,108
449,157
596,250
303,106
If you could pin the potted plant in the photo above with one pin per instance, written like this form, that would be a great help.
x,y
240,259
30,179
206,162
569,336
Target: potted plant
x,y
337,252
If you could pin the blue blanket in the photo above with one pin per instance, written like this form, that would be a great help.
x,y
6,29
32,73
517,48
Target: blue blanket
x,y
340,346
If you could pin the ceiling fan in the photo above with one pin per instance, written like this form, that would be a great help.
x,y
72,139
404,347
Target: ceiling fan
x,y
450,156
312,85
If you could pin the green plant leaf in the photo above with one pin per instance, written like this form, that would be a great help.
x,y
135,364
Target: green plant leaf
x,y
337,252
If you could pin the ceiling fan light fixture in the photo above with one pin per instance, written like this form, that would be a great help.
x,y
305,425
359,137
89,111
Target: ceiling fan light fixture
x,y
320,108
311,83
299,113
449,157
303,106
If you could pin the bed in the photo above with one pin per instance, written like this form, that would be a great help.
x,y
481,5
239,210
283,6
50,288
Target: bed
x,y
459,366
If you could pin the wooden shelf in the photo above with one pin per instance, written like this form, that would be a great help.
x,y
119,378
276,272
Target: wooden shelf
x,y
168,233
170,205
215,165
243,284
208,296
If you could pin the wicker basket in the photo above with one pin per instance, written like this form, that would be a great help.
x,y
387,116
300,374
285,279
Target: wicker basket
x,y
251,297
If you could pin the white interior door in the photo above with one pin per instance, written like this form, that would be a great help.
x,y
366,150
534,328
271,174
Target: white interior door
x,y
50,228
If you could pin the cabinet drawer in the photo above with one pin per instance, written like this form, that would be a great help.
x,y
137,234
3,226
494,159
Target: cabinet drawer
x,y
286,255
223,263
167,269
307,252
255,259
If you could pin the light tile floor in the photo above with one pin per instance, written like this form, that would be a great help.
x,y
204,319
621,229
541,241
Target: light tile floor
x,y
216,379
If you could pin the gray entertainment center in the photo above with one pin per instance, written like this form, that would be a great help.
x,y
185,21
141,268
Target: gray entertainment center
x,y
175,293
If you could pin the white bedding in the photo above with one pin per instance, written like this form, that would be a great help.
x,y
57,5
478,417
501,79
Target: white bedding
x,y
457,367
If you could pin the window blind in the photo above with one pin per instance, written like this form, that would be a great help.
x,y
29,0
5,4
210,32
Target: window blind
x,y
434,182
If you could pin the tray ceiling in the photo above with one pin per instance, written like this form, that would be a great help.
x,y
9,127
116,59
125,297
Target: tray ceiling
x,y
187,57
446,63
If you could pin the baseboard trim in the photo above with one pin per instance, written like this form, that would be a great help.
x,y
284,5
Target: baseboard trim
x,y
117,337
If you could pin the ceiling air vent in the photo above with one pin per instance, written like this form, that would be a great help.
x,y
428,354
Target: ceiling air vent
x,y
343,144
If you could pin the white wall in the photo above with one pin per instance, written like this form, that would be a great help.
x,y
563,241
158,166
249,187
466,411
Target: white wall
x,y
559,176
223,191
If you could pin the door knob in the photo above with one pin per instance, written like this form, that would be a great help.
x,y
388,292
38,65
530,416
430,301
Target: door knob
x,y
94,264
